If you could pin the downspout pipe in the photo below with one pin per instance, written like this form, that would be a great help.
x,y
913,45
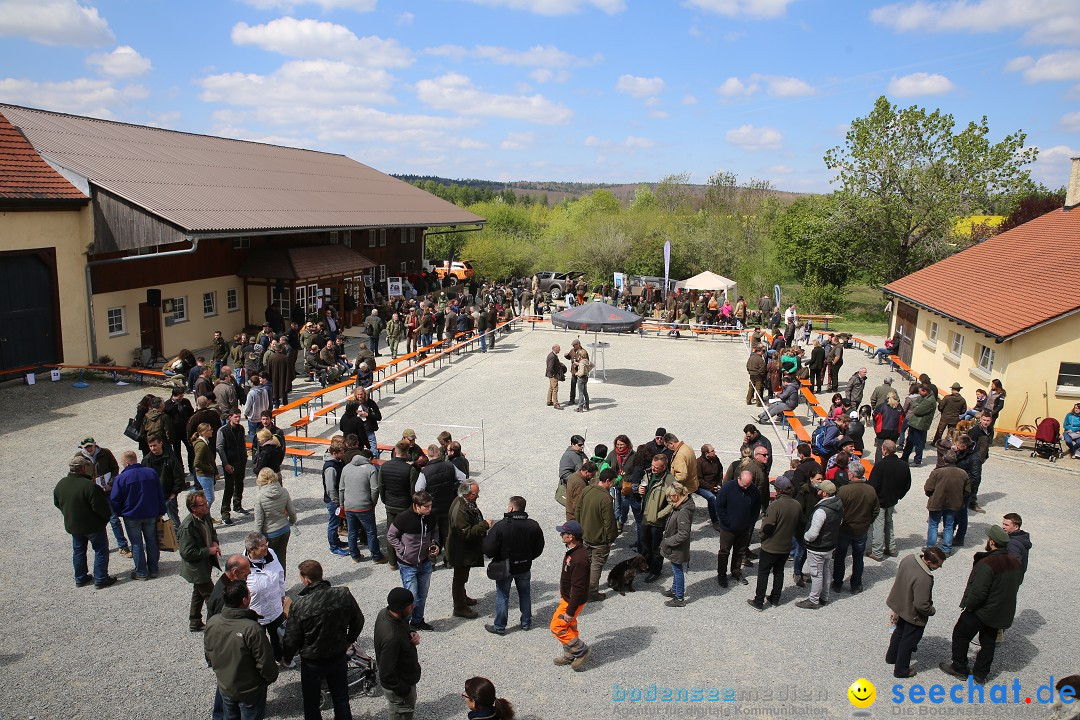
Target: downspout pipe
x,y
127,258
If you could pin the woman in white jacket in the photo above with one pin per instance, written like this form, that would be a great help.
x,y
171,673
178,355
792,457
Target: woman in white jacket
x,y
266,584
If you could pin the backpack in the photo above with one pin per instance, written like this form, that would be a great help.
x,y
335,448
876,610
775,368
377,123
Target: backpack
x,y
817,440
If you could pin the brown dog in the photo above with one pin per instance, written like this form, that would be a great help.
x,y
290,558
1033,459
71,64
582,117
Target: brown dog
x,y
621,577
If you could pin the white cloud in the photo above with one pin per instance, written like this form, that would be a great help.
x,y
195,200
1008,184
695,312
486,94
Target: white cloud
x,y
301,83
629,143
405,18
781,169
326,5
1018,64
781,86
456,93
1070,122
749,137
748,8
1044,21
54,22
1054,67
557,7
689,100
658,114
122,62
920,84
82,96
517,141
545,57
734,87
639,87
319,39
1053,165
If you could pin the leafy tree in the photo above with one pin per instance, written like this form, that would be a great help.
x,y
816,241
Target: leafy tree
x,y
905,176
1031,205
814,240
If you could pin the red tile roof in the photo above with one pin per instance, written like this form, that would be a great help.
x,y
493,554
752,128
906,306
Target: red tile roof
x,y
1011,283
25,178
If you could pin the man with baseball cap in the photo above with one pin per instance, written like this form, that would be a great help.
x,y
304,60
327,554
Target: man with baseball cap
x,y
395,653
781,522
105,471
86,513
573,594
989,604
820,538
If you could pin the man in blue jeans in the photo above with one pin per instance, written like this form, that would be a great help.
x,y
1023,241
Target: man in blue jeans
x,y
240,654
138,498
86,512
861,508
358,493
331,474
519,540
323,622
414,535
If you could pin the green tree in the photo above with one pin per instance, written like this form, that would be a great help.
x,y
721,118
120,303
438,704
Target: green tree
x,y
905,176
815,241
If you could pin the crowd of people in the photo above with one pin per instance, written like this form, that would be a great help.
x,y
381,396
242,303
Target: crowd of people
x,y
821,508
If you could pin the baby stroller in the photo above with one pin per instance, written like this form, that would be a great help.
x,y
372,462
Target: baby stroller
x,y
1047,439
361,673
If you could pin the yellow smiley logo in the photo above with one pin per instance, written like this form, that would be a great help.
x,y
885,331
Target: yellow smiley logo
x,y
862,693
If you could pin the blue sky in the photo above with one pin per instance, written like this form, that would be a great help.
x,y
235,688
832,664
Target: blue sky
x,y
583,90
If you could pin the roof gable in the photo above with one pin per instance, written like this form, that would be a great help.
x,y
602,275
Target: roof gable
x,y
26,179
206,184
1011,283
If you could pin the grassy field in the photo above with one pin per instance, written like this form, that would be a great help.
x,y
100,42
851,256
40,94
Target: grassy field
x,y
864,315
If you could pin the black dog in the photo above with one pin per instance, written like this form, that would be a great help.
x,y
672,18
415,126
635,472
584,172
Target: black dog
x,y
621,577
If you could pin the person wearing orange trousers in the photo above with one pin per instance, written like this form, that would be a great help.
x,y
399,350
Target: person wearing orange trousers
x,y
573,592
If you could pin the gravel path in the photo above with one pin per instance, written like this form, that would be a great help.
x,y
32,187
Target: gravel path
x,y
126,651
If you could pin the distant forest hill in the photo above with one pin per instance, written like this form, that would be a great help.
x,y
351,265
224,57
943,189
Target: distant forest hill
x,y
470,190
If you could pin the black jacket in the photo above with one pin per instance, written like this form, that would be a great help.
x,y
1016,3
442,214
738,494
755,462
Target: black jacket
x,y
323,622
971,463
516,538
399,666
168,469
231,445
891,478
442,483
804,472
395,479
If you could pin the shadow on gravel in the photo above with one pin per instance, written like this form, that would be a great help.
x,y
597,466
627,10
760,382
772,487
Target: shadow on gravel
x,y
10,658
612,646
636,378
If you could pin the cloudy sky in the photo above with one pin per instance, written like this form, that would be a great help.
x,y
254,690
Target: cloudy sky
x,y
584,90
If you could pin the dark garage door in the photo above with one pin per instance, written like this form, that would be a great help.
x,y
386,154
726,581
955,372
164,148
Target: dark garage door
x,y
28,312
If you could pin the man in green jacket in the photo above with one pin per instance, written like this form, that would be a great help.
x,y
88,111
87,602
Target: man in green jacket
x,y
395,653
596,513
465,545
782,520
911,601
86,512
239,652
199,551
655,509
989,604
918,420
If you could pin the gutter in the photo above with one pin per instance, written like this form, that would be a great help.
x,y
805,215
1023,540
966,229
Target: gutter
x,y
90,283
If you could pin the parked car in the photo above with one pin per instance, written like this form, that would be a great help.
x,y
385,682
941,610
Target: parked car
x,y
461,269
557,283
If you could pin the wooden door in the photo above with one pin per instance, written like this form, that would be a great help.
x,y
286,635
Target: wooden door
x,y
29,316
906,317
150,327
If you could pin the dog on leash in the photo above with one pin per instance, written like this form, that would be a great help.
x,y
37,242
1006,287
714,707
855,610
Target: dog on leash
x,y
621,577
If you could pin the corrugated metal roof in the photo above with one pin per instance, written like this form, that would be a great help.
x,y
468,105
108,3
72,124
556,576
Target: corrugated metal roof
x,y
304,263
25,178
209,184
1008,284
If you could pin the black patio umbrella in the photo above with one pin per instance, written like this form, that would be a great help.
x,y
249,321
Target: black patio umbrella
x,y
596,317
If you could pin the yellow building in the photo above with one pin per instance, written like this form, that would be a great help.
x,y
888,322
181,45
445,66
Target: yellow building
x,y
1008,308
137,242
46,226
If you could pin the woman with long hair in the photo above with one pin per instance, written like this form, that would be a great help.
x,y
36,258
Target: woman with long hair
x,y
274,512
621,459
481,702
205,464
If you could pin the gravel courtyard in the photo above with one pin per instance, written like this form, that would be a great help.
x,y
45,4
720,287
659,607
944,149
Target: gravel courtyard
x,y
126,652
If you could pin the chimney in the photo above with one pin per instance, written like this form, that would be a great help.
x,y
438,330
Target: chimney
x,y
1072,194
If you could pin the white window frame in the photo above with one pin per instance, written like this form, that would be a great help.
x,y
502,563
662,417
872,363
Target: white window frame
x,y
412,235
281,300
122,328
370,238
382,273
956,344
983,353
180,313
241,243
382,237
932,332
212,297
232,300
404,267
1068,390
